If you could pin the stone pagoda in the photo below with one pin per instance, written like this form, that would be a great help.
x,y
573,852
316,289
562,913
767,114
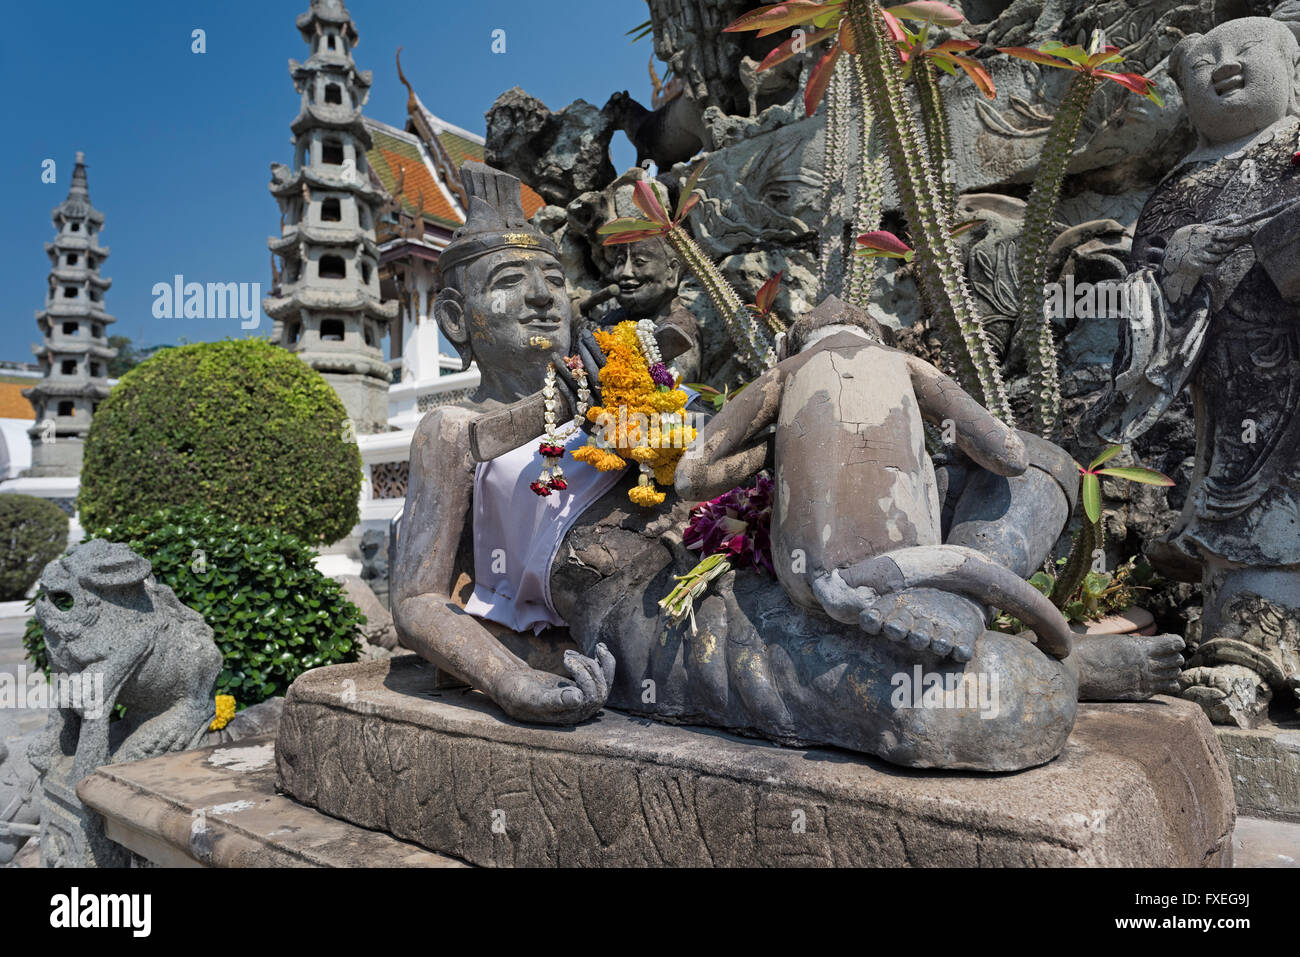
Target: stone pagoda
x,y
74,353
325,296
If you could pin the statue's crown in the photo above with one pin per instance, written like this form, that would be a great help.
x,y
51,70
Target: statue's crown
x,y
495,219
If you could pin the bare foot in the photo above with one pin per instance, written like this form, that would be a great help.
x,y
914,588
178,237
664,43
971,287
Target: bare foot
x,y
927,619
1127,667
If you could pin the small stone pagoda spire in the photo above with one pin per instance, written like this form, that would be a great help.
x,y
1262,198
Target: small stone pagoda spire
x,y
325,297
74,352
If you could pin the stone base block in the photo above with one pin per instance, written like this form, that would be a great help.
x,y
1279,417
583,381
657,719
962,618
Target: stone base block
x,y
72,835
377,744
1265,768
217,807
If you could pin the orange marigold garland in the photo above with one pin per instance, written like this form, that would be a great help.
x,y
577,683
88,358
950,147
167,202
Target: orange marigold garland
x,y
643,420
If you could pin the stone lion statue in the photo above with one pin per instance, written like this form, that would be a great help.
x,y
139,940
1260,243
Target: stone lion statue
x,y
127,640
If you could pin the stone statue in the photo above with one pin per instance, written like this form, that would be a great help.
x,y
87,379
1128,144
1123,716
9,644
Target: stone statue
x,y
648,274
808,663
104,616
374,563
1215,260
20,811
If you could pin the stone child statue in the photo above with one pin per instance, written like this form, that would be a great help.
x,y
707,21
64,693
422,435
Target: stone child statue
x,y
762,663
1215,258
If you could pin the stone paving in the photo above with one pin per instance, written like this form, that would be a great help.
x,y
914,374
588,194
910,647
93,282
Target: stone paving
x,y
16,721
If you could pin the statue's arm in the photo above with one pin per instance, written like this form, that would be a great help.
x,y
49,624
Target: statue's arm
x,y
439,500
980,434
733,446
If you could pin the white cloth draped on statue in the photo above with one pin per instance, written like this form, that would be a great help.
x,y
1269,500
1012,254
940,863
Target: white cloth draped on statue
x,y
517,533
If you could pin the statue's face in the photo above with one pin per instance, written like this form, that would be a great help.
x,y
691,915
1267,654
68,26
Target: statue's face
x,y
513,299
647,275
1239,78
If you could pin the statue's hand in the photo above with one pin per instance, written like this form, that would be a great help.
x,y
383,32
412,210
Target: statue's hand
x,y
1193,252
545,698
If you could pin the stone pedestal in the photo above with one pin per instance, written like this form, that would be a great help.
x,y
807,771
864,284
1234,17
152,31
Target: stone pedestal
x,y
217,807
1265,766
376,744
72,835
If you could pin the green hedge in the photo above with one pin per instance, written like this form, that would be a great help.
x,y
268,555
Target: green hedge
x,y
273,614
34,531
241,427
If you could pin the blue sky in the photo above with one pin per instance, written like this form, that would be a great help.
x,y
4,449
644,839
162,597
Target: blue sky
x,y
179,145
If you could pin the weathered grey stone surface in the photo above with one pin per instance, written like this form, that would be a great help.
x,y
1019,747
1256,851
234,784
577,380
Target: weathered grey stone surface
x,y
1212,263
217,807
378,631
114,636
374,744
559,154
1265,767
106,618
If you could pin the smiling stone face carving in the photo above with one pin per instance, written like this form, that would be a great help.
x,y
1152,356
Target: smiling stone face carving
x,y
1237,79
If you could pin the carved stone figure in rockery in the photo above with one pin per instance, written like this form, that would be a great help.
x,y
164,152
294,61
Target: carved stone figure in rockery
x,y
1217,258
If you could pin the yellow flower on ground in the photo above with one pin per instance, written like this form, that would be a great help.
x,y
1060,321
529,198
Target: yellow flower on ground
x,y
225,711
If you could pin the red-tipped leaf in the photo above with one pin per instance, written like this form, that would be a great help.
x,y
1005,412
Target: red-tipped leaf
x,y
767,294
929,11
896,32
793,47
1033,56
687,200
1135,82
776,17
883,243
643,195
819,80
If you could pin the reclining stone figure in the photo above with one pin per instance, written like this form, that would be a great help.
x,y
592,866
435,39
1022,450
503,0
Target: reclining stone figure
x,y
807,661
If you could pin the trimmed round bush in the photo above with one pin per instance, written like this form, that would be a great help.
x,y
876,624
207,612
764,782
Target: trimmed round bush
x,y
35,532
241,427
272,613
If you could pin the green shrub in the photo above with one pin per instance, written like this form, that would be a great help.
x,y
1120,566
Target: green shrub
x,y
35,531
241,427
273,614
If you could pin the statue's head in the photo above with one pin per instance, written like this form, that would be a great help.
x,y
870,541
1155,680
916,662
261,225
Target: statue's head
x,y
1238,79
504,302
647,274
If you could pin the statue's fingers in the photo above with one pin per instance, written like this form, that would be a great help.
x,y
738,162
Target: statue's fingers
x,y
589,340
583,672
607,663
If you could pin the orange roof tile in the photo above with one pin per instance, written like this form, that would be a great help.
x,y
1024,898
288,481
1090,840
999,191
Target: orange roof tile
x,y
12,403
418,185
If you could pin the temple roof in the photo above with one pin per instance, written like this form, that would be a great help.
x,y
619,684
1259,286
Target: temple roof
x,y
427,164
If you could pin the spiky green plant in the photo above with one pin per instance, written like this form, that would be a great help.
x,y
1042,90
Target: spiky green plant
x,y
1034,326
938,264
